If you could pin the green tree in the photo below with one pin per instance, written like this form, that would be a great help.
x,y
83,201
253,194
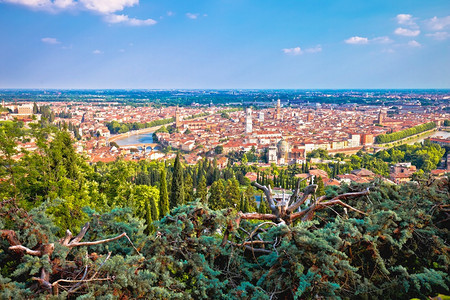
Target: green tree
x,y
218,149
163,195
35,108
216,199
320,187
263,207
232,193
202,192
244,159
177,192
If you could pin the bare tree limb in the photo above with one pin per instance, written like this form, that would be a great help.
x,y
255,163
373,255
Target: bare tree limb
x,y
297,189
309,190
257,216
72,244
80,235
65,241
23,249
267,192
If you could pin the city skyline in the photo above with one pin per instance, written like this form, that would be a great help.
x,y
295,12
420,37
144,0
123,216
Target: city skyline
x,y
127,44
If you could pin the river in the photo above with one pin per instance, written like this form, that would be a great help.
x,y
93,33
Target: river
x,y
145,138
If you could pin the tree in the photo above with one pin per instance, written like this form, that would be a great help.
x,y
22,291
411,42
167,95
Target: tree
x,y
177,192
35,108
163,195
10,134
249,195
216,199
244,159
188,188
144,201
218,149
202,192
320,187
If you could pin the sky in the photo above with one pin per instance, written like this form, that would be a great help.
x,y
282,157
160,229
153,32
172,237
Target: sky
x,y
224,44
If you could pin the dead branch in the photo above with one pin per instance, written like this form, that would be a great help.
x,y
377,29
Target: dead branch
x,y
297,189
23,249
309,213
257,216
309,190
267,192
71,245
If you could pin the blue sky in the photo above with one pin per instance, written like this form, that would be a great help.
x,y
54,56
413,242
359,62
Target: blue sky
x,y
161,44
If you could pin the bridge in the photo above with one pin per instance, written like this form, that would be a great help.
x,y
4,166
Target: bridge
x,y
142,145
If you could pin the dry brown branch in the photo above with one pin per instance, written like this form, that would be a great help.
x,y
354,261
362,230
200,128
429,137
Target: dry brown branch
x,y
23,249
309,190
71,245
257,216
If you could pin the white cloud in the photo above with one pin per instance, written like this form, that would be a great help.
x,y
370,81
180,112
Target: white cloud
x,y
170,13
405,19
436,23
63,4
107,6
414,43
97,52
357,40
102,6
49,40
31,3
293,51
406,32
382,40
439,35
114,19
300,51
192,16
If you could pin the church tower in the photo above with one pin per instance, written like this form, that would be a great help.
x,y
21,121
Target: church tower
x,y
178,119
278,112
248,121
381,117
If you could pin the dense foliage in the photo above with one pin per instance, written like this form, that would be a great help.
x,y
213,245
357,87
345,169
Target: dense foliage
x,y
424,156
398,250
395,136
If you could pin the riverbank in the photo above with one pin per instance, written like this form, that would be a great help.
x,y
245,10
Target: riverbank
x,y
136,132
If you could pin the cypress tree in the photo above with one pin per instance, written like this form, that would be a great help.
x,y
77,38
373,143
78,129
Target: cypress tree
x,y
202,192
148,218
246,207
35,108
163,196
177,192
263,208
320,187
154,208
241,204
216,199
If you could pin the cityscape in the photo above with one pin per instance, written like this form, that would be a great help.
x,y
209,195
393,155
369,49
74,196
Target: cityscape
x,y
224,150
